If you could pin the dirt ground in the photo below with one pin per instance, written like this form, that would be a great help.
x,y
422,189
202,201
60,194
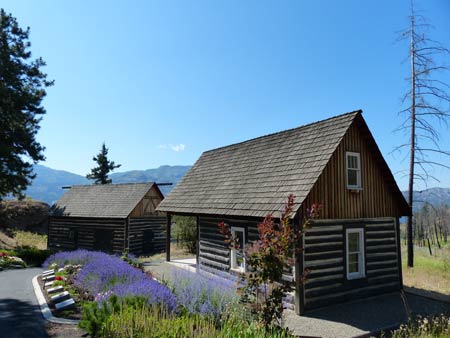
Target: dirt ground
x,y
64,331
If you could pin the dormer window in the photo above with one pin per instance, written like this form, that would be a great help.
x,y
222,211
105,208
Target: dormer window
x,y
353,170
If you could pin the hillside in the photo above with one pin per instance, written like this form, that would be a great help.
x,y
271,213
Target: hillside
x,y
434,196
48,182
47,185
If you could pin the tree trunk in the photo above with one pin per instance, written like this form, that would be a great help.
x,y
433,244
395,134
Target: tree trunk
x,y
437,235
412,150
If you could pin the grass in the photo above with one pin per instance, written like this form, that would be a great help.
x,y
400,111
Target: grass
x,y
176,252
430,273
31,239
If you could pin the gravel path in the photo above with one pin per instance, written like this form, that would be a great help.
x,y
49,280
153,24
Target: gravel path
x,y
362,316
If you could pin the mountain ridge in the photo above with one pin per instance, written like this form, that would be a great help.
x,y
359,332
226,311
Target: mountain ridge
x,y
47,186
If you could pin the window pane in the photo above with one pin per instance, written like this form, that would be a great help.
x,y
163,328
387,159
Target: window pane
x,y
352,162
352,177
353,263
239,256
240,238
353,242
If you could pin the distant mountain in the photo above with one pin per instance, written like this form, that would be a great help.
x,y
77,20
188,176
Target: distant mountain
x,y
163,174
47,186
434,196
48,182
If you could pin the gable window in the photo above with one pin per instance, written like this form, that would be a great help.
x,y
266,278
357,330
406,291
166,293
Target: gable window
x,y
238,254
355,253
353,161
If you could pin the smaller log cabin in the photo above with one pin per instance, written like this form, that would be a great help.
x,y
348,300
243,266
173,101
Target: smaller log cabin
x,y
110,218
352,251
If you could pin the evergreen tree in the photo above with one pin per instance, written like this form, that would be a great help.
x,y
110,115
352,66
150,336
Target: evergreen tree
x,y
100,173
22,89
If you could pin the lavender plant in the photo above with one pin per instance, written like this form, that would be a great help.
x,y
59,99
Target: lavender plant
x,y
100,275
73,257
150,290
203,294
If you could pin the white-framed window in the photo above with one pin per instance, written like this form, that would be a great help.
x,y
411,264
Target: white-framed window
x,y
353,162
237,261
355,253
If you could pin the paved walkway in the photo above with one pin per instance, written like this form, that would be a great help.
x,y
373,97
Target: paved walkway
x,y
362,316
350,319
20,315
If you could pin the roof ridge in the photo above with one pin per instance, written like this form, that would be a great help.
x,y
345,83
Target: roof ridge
x,y
359,111
111,184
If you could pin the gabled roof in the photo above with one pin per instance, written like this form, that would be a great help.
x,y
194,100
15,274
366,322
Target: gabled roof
x,y
101,200
255,177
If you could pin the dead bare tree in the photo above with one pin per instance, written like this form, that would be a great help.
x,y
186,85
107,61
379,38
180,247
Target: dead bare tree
x,y
428,106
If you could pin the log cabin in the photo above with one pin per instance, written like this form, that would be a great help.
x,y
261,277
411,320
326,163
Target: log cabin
x,y
110,218
352,251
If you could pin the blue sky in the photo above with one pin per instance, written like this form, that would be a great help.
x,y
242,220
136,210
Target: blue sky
x,y
162,81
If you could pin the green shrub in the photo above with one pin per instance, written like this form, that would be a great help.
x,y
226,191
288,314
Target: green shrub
x,y
8,260
185,231
152,322
94,316
31,255
132,317
155,323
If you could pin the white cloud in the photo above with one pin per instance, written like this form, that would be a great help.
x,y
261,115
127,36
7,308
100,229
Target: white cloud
x,y
175,147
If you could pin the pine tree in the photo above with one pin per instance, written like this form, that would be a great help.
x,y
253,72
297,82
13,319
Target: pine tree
x,y
22,89
100,173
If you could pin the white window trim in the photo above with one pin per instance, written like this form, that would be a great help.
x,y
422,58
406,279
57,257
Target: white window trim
x,y
233,262
361,261
358,186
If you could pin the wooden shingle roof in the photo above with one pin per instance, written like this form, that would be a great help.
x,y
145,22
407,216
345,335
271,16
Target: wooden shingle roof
x,y
101,200
254,177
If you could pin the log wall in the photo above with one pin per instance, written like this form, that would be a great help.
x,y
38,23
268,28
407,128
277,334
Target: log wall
x,y
325,258
147,235
69,233
213,251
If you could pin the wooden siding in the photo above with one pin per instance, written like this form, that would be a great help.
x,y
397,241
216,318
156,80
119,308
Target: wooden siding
x,y
83,231
374,200
139,243
148,204
325,258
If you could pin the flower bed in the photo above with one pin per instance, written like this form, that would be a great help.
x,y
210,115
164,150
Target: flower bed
x,y
119,299
102,275
9,261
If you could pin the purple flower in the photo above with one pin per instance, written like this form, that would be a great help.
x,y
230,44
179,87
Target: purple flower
x,y
151,290
73,257
104,272
203,293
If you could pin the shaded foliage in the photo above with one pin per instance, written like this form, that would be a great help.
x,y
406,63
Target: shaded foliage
x,y
185,231
22,89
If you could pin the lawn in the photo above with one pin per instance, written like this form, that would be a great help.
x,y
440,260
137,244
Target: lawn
x,y
430,273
